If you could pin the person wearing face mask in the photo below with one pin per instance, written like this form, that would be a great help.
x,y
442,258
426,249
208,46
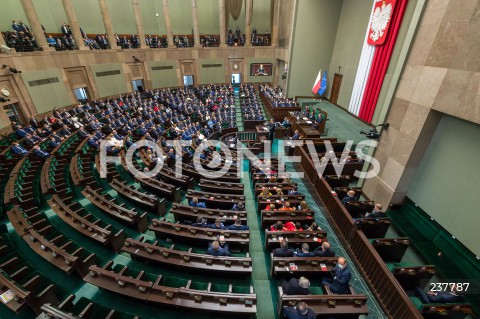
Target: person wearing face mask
x,y
341,278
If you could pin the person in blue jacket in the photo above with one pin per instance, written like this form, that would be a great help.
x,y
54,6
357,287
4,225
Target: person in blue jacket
x,y
195,203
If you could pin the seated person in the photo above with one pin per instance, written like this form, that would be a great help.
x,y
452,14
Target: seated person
x,y
217,225
216,250
301,311
265,192
296,286
201,222
39,152
223,243
237,225
294,191
270,207
304,252
279,226
303,205
287,207
376,213
195,203
296,135
52,143
350,197
203,155
452,296
18,149
283,250
238,207
312,227
341,278
324,250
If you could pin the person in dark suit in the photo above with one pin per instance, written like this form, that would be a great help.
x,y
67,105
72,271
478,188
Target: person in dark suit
x,y
65,29
18,149
20,132
201,222
440,296
271,130
296,135
40,153
324,250
376,213
296,286
350,197
304,252
52,143
237,225
341,278
294,191
301,311
216,250
283,251
33,122
217,225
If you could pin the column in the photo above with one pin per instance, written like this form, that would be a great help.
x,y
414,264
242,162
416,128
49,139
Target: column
x,y
35,25
223,27
168,24
73,22
275,24
139,23
248,22
196,34
108,24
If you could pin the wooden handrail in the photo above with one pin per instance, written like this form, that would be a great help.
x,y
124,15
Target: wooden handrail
x,y
382,282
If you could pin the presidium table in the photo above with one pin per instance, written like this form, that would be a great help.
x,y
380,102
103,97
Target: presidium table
x,y
304,125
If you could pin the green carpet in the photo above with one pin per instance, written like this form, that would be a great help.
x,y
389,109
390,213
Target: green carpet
x,y
261,284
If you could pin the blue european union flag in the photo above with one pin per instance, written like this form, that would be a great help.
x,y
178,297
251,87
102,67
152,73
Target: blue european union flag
x,y
323,84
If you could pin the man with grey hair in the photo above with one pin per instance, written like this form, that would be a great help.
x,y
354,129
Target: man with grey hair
x,y
296,286
301,311
339,284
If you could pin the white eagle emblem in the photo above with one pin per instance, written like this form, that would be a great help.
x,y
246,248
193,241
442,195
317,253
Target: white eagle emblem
x,y
380,19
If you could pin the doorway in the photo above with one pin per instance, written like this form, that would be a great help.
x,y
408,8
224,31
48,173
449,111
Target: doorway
x,y
188,80
236,79
138,85
81,95
12,112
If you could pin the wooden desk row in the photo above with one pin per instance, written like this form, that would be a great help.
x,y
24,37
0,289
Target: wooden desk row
x,y
141,250
216,200
197,235
87,224
83,308
42,238
213,186
326,304
194,173
189,213
117,211
31,289
139,286
294,238
150,202
270,217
